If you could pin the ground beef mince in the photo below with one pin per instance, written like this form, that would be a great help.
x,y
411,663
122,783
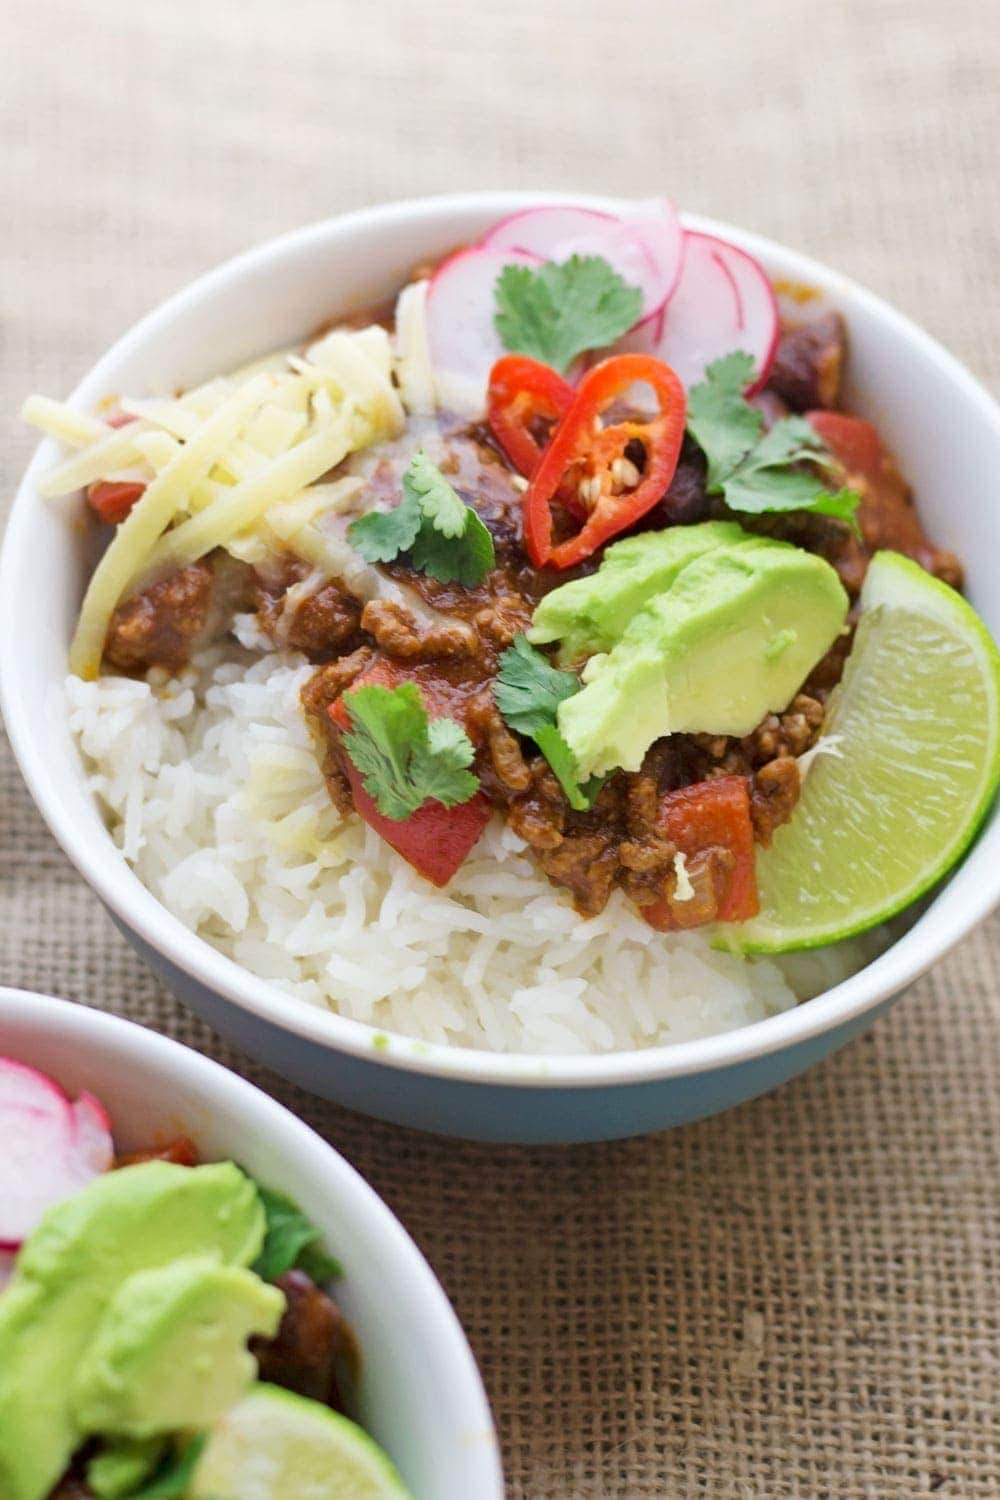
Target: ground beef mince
x,y
312,1339
774,791
163,625
323,621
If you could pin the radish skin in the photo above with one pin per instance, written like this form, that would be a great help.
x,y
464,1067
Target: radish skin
x,y
645,247
723,302
464,345
52,1148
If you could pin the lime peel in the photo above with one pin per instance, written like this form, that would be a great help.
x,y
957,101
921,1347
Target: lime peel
x,y
917,763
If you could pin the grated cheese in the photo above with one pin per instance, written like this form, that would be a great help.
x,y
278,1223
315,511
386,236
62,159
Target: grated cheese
x,y
150,516
413,367
342,359
243,504
60,421
232,463
685,890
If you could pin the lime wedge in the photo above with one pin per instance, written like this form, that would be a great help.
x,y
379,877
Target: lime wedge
x,y
277,1446
909,772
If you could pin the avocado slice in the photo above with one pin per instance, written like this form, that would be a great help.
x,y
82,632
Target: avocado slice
x,y
732,640
67,1274
590,614
171,1349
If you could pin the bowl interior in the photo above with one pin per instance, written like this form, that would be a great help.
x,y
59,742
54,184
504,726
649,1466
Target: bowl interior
x,y
419,1392
942,425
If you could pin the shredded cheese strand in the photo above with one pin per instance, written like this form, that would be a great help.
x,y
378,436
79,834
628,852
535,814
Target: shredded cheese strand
x,y
115,451
342,358
413,366
148,518
244,503
288,518
60,421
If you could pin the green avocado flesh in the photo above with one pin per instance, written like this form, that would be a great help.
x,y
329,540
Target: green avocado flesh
x,y
67,1274
732,639
590,614
171,1350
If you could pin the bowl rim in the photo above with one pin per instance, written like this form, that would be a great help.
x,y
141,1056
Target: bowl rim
x,y
122,892
233,1098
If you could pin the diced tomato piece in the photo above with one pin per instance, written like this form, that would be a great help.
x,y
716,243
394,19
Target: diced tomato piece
x,y
112,499
854,442
435,839
182,1152
712,814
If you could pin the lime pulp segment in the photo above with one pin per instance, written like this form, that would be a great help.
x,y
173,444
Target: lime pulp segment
x,y
278,1446
913,758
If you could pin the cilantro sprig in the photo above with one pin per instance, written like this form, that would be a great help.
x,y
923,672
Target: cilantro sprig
x,y
528,691
561,310
170,1480
442,536
405,757
754,471
291,1241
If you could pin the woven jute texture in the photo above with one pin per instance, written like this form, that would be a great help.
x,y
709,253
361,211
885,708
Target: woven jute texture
x,y
798,1298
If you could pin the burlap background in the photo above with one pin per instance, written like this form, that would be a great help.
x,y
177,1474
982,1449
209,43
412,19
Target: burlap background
x,y
798,1299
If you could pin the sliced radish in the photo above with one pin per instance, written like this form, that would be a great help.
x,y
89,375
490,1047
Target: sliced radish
x,y
51,1148
6,1267
644,247
723,302
461,305
94,1148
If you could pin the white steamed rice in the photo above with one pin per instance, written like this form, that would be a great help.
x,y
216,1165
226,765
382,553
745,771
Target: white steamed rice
x,y
213,793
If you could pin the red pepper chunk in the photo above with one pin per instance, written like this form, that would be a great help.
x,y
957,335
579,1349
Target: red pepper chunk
x,y
854,443
113,499
523,393
435,839
712,815
592,461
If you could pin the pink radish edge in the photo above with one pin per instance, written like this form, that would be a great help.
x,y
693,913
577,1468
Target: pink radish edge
x,y
460,310
750,280
652,234
54,1147
753,311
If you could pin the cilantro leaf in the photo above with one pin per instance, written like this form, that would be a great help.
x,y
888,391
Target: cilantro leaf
x,y
528,691
562,763
434,496
464,559
404,759
560,310
443,536
173,1476
722,423
290,1240
788,441
382,535
759,471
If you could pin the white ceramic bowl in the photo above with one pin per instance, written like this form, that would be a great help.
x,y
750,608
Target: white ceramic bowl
x,y
944,427
419,1391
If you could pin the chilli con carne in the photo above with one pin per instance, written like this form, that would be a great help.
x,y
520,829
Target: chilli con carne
x,y
577,478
